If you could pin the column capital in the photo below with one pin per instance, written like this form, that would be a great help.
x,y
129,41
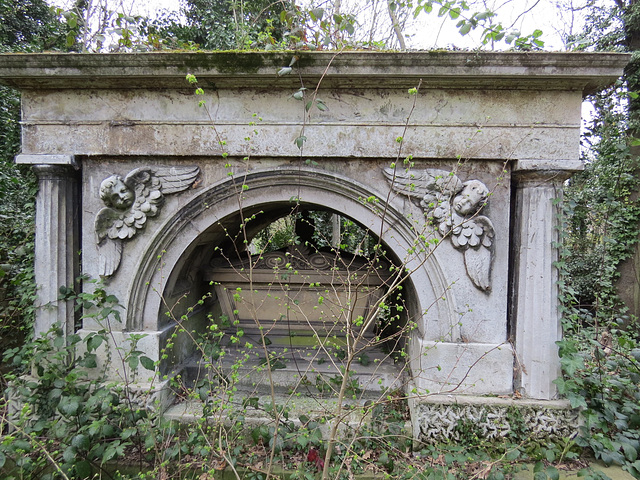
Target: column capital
x,y
528,171
53,172
530,164
47,160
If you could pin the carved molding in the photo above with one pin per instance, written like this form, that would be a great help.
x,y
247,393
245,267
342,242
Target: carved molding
x,y
446,423
300,258
129,202
454,207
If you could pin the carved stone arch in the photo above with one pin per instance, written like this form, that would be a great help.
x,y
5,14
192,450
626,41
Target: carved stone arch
x,y
196,223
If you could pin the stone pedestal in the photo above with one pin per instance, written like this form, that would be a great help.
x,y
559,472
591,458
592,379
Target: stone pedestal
x,y
535,318
57,239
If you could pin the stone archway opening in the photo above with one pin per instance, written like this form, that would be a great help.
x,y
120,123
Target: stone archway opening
x,y
274,302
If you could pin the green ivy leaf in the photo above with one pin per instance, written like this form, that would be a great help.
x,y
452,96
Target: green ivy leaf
x,y
69,406
110,452
83,469
81,441
316,14
69,454
147,363
512,455
630,452
128,433
552,473
94,342
133,362
90,360
550,455
300,141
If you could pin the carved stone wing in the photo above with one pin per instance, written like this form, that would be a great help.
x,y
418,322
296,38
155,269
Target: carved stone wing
x,y
476,239
107,222
109,256
169,179
150,185
419,184
433,188
108,229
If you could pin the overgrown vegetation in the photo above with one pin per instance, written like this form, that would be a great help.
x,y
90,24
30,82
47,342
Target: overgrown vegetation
x,y
29,26
73,424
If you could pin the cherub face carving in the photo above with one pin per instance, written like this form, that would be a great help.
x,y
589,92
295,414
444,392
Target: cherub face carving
x,y
472,196
115,194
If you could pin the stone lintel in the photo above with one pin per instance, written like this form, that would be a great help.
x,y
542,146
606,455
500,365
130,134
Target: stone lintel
x,y
584,72
61,160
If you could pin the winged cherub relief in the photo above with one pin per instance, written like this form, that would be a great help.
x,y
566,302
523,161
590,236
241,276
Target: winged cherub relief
x,y
129,202
454,207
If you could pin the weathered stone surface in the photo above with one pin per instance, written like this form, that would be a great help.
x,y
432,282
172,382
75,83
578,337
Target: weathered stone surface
x,y
362,123
459,368
535,293
57,240
509,122
438,69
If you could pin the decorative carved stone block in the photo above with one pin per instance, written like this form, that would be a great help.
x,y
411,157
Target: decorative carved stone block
x,y
128,204
454,207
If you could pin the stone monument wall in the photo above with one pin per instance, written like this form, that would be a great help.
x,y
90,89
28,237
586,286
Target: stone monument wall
x,y
458,180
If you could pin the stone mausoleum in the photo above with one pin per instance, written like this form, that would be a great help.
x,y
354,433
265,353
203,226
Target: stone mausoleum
x,y
453,162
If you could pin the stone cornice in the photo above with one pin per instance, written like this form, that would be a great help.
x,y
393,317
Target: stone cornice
x,y
584,72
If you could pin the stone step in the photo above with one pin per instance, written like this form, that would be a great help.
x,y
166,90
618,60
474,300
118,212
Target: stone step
x,y
354,414
307,371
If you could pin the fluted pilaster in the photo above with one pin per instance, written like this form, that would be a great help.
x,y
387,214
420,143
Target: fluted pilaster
x,y
535,314
57,239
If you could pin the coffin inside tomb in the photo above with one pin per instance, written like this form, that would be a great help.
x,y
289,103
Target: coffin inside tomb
x,y
304,306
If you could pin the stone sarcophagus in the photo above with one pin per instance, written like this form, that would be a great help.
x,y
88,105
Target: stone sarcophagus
x,y
313,296
452,161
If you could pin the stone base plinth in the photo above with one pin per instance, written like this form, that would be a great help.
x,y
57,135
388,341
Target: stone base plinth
x,y
458,418
461,368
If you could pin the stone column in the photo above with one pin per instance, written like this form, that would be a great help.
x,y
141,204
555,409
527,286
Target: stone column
x,y
535,317
57,238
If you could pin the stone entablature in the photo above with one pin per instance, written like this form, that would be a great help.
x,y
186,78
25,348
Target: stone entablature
x,y
502,127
